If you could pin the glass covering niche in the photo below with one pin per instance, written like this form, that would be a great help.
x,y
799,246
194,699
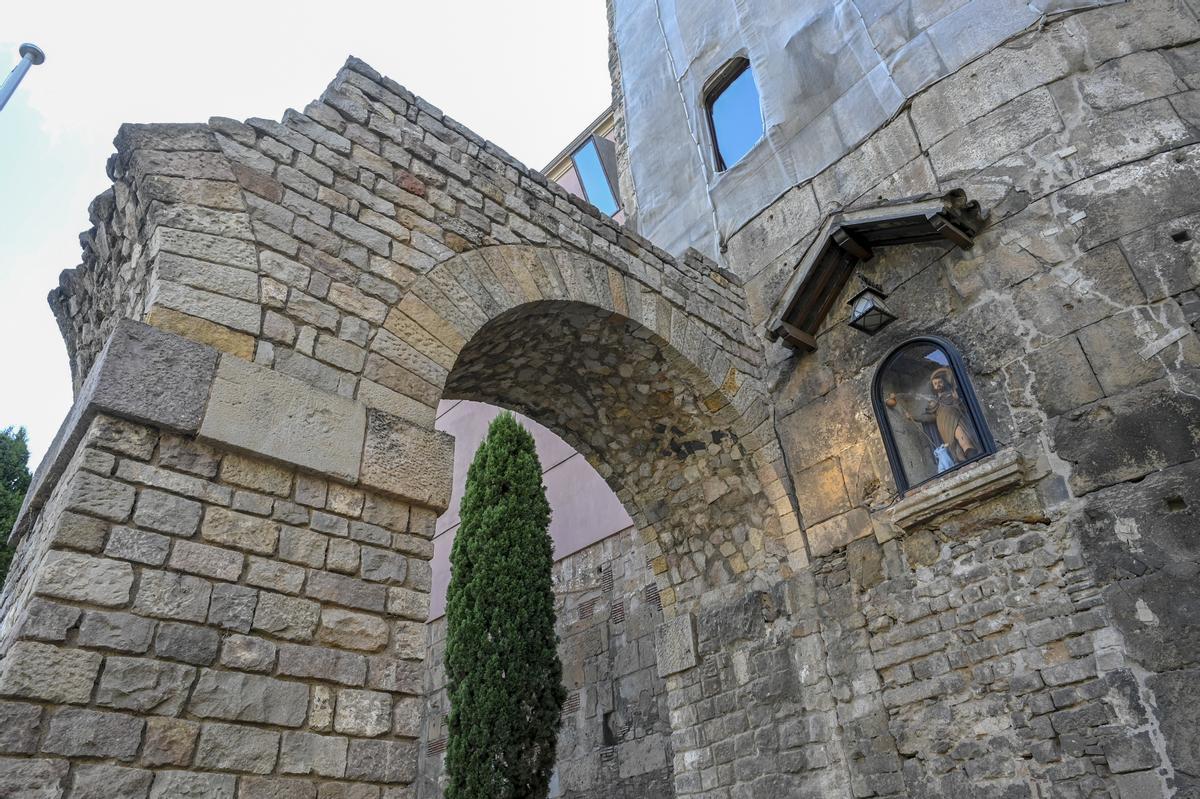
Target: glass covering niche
x,y
927,412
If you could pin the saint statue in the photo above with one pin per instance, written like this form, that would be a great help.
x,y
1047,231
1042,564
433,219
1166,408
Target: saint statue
x,y
944,421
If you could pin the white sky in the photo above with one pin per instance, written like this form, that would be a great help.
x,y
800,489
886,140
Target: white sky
x,y
528,75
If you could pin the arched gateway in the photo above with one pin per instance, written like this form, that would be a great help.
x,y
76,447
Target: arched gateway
x,y
223,564
222,578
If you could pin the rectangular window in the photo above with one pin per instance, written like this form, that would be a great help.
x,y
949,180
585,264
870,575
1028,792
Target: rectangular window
x,y
734,115
597,188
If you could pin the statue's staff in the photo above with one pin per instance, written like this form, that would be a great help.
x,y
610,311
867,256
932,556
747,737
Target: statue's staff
x,y
31,55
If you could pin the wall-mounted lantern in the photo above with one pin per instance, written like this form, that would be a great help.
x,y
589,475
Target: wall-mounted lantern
x,y
851,237
868,311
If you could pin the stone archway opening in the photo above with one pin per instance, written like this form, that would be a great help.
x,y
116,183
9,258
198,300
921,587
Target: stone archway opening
x,y
616,393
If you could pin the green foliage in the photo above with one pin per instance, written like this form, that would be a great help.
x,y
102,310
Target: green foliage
x,y
14,482
505,678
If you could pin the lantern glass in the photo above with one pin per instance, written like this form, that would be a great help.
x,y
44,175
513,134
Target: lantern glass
x,y
869,313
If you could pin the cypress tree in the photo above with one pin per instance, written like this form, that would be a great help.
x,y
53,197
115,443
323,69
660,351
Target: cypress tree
x,y
504,675
14,482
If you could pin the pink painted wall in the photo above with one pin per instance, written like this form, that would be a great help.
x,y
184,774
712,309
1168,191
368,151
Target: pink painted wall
x,y
584,509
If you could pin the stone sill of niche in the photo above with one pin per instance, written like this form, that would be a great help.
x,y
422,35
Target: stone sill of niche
x,y
956,491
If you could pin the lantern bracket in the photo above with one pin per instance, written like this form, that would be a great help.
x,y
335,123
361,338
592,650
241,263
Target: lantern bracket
x,y
850,237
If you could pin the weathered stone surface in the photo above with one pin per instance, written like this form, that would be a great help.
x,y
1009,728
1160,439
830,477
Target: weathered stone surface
x,y
675,642
308,753
77,732
19,727
282,418
40,671
102,782
123,632
138,546
269,788
234,747
75,531
169,742
188,455
247,653
233,696
303,547
47,621
145,686
83,578
188,643
343,557
322,663
215,335
1125,437
38,778
257,474
166,595
232,607
240,530
363,713
408,604
350,630
384,566
382,760
286,617
839,531
99,496
166,513
207,561
346,591
275,575
192,785
392,452
155,377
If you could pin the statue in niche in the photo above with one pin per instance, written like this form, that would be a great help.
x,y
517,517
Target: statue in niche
x,y
943,420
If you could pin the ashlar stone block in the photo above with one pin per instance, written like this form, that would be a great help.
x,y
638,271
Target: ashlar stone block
x,y
234,747
309,753
240,530
102,782
192,785
286,617
144,685
40,671
350,630
675,643
83,578
407,460
261,410
169,742
77,732
167,595
166,513
233,696
363,713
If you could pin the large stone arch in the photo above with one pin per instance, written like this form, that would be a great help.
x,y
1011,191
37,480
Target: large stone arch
x,y
223,565
555,335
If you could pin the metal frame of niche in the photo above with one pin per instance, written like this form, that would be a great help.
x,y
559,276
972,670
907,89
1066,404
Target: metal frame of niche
x,y
967,392
849,238
730,71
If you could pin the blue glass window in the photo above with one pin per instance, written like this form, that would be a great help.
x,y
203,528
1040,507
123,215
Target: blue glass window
x,y
734,115
595,182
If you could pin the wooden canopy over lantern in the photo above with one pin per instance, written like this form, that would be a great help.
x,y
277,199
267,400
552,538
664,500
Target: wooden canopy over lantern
x,y
852,236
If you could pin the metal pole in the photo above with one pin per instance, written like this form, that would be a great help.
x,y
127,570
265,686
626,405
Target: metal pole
x,y
30,55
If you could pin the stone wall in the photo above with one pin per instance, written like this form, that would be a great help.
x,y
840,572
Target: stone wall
x,y
1021,628
202,623
615,738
